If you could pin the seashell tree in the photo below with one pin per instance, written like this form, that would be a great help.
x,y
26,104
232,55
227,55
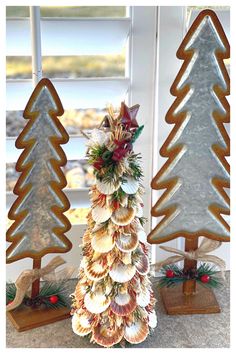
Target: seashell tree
x,y
113,300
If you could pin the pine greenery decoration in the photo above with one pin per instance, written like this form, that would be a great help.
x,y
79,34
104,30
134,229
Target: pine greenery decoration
x,y
48,290
205,274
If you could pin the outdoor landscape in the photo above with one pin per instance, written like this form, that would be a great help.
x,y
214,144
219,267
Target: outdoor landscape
x,y
79,174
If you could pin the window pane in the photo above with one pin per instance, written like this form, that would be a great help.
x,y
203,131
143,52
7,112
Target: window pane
x,y
78,174
77,216
74,120
18,68
83,66
17,11
83,11
14,123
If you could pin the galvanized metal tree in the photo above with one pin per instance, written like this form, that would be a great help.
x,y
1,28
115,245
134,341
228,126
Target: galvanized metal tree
x,y
39,223
196,171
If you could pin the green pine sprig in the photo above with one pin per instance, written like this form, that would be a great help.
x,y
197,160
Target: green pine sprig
x,y
47,290
137,133
181,276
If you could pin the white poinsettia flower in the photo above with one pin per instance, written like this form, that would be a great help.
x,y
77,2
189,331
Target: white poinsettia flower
x,y
98,137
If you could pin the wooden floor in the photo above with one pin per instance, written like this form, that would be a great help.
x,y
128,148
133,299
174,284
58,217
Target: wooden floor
x,y
188,331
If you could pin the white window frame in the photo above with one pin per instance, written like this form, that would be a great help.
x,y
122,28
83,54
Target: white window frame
x,y
140,73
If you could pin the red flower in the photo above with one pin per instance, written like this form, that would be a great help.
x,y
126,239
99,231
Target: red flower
x,y
98,163
118,154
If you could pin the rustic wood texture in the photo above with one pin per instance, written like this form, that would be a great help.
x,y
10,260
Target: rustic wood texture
x,y
24,318
203,301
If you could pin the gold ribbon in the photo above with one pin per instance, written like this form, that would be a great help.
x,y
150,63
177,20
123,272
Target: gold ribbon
x,y
27,277
200,254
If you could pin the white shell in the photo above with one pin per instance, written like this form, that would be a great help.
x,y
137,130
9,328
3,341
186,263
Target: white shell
x,y
142,264
98,137
122,273
101,214
136,284
127,242
123,304
143,298
130,186
107,336
126,258
80,291
123,216
95,270
137,332
96,303
142,236
139,211
102,242
106,188
81,324
152,319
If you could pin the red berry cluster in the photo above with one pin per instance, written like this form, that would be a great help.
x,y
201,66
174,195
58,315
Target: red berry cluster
x,y
205,278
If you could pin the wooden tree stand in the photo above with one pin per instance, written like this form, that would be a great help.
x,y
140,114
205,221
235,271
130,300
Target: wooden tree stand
x,y
190,297
24,317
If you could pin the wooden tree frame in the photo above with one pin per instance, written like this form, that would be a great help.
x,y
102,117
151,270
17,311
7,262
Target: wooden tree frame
x,y
191,238
17,316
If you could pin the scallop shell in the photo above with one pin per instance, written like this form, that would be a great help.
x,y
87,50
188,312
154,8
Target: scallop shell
x,y
143,298
96,302
106,336
86,237
122,273
95,270
127,242
137,332
142,264
98,137
81,324
101,214
142,236
130,186
123,304
107,188
80,291
123,216
152,319
126,258
139,211
102,242
136,284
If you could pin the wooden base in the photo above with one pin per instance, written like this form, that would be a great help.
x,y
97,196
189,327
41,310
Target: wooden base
x,y
176,303
24,318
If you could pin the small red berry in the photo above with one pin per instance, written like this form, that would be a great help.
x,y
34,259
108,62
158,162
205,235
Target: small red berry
x,y
53,299
205,278
170,273
116,204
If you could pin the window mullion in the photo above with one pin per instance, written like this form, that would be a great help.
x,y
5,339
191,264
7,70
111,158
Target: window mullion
x,y
36,44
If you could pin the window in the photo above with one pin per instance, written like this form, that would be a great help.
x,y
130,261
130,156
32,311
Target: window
x,y
93,56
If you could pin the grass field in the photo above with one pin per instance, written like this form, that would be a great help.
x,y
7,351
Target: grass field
x,y
68,66
69,11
